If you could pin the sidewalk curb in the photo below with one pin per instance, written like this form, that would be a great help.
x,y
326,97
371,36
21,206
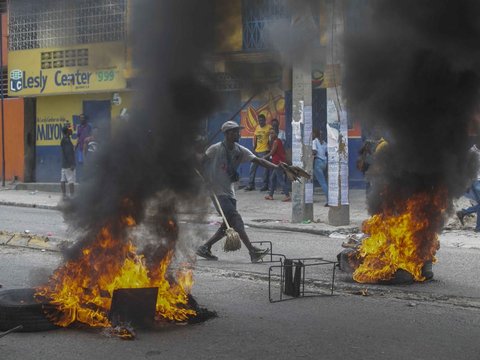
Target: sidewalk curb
x,y
32,241
343,230
36,206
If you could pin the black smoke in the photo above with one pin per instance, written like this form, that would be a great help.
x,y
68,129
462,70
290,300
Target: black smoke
x,y
154,150
413,75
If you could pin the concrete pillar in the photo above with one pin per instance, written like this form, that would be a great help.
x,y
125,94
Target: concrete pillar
x,y
337,124
302,192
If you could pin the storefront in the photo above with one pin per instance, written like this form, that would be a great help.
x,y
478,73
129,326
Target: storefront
x,y
67,82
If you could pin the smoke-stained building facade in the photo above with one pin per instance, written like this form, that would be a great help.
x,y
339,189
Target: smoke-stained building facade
x,y
247,64
71,58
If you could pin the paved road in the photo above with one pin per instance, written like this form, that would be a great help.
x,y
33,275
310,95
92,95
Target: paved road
x,y
249,327
456,273
38,221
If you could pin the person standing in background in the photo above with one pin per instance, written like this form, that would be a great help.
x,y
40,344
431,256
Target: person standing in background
x,y
90,146
260,148
277,153
280,133
84,130
68,162
319,148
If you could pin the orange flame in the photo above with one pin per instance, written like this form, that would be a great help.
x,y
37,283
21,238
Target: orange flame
x,y
401,238
82,289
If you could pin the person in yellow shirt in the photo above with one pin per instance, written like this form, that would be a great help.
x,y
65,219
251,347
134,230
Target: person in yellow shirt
x,y
260,148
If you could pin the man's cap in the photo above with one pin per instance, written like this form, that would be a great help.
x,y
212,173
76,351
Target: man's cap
x,y
230,125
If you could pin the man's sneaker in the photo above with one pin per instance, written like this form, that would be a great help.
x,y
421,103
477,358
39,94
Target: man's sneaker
x,y
258,254
265,188
205,252
249,188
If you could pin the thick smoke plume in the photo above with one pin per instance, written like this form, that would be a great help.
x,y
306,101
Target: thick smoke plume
x,y
295,38
154,151
413,75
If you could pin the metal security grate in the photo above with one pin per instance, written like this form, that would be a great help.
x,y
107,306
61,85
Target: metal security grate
x,y
53,23
227,82
62,58
256,14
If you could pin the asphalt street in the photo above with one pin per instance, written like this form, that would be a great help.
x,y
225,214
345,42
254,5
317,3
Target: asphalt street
x,y
456,272
249,327
37,221
439,319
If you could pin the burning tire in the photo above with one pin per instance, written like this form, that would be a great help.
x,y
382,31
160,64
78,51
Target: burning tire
x,y
18,307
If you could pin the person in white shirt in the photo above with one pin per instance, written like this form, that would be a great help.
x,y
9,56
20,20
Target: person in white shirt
x,y
319,147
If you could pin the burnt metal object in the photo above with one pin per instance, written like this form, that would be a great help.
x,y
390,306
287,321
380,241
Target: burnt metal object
x,y
291,281
16,328
202,315
134,306
293,278
281,257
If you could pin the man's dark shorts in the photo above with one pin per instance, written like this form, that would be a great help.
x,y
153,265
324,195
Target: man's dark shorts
x,y
229,207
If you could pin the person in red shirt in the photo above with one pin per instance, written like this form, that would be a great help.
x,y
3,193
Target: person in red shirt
x,y
277,153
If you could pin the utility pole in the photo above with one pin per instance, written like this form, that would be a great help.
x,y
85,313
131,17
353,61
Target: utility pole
x,y
302,192
337,123
2,98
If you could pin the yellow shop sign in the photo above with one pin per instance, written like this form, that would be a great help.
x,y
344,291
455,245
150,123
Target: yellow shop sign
x,y
94,67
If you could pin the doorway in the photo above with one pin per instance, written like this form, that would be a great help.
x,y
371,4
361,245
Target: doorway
x,y
99,115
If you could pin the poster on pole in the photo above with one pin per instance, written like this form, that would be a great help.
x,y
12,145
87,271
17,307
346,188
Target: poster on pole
x,y
307,125
309,192
337,144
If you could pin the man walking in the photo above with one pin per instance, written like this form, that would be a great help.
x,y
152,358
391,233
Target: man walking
x,y
68,163
261,148
221,162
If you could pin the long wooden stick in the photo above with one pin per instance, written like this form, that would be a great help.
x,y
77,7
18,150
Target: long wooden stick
x,y
216,201
19,327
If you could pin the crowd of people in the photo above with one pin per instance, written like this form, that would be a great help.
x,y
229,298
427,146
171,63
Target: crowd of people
x,y
268,143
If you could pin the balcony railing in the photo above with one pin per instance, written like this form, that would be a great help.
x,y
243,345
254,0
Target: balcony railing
x,y
256,16
51,23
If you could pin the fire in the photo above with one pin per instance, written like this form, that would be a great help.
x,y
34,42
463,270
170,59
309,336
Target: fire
x,y
402,237
81,290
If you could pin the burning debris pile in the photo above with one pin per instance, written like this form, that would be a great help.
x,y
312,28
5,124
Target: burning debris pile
x,y
412,75
82,289
398,241
152,155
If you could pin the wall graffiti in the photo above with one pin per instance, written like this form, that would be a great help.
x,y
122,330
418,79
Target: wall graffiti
x,y
272,108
